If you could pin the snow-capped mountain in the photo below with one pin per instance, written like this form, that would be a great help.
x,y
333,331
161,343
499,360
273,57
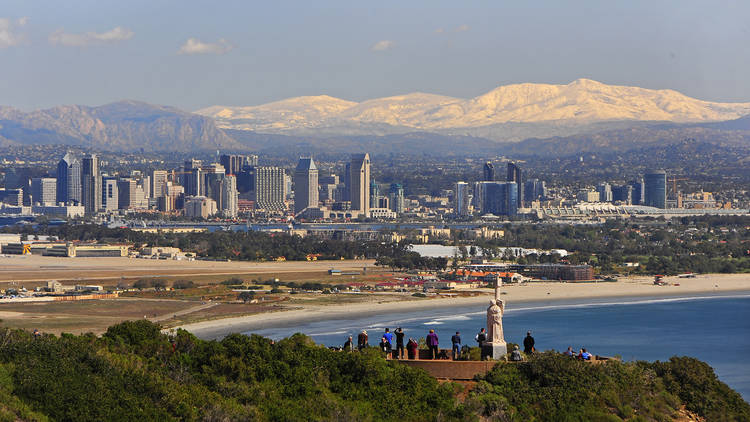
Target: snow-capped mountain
x,y
510,112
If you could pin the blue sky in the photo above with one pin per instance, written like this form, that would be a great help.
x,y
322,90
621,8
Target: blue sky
x,y
193,54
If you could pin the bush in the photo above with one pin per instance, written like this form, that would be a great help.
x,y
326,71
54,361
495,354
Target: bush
x,y
183,284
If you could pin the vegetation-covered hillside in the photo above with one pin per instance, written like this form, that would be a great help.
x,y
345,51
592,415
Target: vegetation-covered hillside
x,y
134,372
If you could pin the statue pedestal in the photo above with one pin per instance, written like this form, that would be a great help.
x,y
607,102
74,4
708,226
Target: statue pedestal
x,y
495,351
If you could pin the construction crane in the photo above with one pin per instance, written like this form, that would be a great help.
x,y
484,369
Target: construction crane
x,y
674,181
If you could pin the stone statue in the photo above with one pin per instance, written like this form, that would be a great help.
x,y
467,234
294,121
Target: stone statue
x,y
495,346
495,321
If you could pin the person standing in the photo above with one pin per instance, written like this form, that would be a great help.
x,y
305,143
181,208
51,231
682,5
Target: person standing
x,y
481,337
528,343
412,348
432,344
385,346
400,342
349,345
362,340
389,336
456,342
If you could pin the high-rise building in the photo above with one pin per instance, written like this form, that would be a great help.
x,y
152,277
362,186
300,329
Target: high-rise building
x,y
639,192
605,192
534,190
396,198
360,183
655,184
269,188
374,194
110,195
515,174
91,182
192,177
158,183
499,198
623,194
69,180
347,193
488,172
461,199
228,198
44,190
233,164
305,185
200,207
126,194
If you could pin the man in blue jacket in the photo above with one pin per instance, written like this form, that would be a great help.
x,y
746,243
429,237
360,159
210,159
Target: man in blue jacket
x,y
456,340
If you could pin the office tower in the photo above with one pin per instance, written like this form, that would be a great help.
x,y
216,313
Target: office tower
x,y
192,177
233,164
499,198
623,194
515,174
126,194
347,194
91,183
44,190
250,161
488,173
396,198
158,183
305,185
605,192
461,199
200,207
655,187
69,180
228,197
360,183
269,188
330,179
374,194
534,190
12,196
639,192
110,195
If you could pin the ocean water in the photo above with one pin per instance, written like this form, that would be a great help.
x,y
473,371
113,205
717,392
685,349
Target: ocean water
x,y
714,329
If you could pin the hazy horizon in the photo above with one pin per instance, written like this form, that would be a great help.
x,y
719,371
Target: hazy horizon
x,y
192,55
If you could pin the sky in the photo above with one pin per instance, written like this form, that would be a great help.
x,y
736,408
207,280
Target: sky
x,y
194,54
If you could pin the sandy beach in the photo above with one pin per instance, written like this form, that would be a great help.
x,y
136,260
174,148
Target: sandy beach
x,y
530,292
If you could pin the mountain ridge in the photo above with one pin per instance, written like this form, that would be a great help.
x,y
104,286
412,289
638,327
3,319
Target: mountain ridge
x,y
544,108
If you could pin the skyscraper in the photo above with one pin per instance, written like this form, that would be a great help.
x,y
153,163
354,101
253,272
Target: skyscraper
x,y
110,195
498,198
489,172
91,182
347,182
44,190
126,194
396,198
656,189
515,174
233,164
605,192
623,194
360,183
69,180
158,183
461,199
269,188
639,192
305,185
534,189
192,177
228,198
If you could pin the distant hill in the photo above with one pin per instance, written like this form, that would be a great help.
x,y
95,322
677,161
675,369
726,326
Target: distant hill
x,y
506,114
120,126
729,134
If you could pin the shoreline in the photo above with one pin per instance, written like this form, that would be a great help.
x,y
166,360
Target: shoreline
x,y
637,287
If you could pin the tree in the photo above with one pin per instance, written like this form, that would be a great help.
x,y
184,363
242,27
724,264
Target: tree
x,y
183,284
246,296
